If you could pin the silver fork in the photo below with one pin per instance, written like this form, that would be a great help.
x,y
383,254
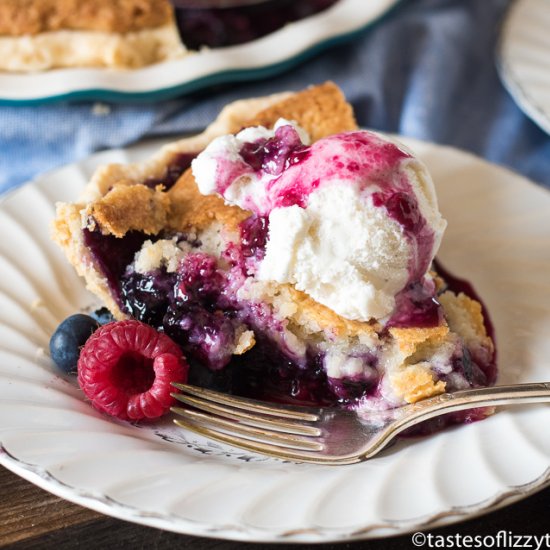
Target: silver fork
x,y
326,435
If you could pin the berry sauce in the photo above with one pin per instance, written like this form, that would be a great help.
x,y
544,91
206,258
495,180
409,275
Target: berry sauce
x,y
416,306
179,164
212,25
254,231
456,285
276,154
112,255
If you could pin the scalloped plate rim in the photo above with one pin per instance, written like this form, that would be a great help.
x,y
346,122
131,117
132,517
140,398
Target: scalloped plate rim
x,y
105,505
519,89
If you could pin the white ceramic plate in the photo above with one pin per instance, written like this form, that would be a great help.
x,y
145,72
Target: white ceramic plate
x,y
524,58
498,235
254,60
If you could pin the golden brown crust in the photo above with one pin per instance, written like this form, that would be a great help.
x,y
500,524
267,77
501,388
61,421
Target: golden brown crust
x,y
409,340
328,320
465,317
321,110
24,17
416,382
191,210
130,208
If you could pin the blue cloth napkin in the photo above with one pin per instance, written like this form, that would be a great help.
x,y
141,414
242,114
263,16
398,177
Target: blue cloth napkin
x,y
426,70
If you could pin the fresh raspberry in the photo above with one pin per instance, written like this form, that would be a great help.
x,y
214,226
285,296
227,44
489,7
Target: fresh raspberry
x,y
126,369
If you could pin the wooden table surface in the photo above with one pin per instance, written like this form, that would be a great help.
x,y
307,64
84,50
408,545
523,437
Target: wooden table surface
x,y
32,518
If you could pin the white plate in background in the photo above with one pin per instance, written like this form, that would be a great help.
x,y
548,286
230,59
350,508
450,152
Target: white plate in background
x,y
524,58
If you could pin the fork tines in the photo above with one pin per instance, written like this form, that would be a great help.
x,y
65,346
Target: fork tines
x,y
246,423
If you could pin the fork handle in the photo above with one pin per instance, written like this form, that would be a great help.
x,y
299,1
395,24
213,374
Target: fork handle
x,y
469,399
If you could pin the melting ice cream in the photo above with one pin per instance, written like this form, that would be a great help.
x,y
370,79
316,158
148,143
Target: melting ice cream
x,y
353,218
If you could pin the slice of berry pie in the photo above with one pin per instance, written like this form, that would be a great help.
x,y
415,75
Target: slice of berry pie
x,y
289,254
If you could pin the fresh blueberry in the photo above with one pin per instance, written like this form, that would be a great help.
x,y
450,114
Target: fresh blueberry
x,y
102,316
68,338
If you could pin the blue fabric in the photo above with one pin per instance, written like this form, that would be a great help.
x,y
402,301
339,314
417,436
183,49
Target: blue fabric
x,y
427,71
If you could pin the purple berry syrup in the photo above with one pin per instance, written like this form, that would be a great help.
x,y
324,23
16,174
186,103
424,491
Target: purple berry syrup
x,y
416,306
179,164
111,255
273,156
213,25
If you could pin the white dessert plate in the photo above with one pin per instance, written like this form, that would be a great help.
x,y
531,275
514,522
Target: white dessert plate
x,y
524,58
261,58
157,475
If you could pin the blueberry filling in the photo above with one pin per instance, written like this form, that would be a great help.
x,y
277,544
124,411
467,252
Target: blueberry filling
x,y
112,255
180,163
215,26
199,316
197,306
266,372
351,388
144,297
254,237
469,369
416,306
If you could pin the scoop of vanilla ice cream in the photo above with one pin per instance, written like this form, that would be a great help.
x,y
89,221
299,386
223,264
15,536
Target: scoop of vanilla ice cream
x,y
353,219
344,252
